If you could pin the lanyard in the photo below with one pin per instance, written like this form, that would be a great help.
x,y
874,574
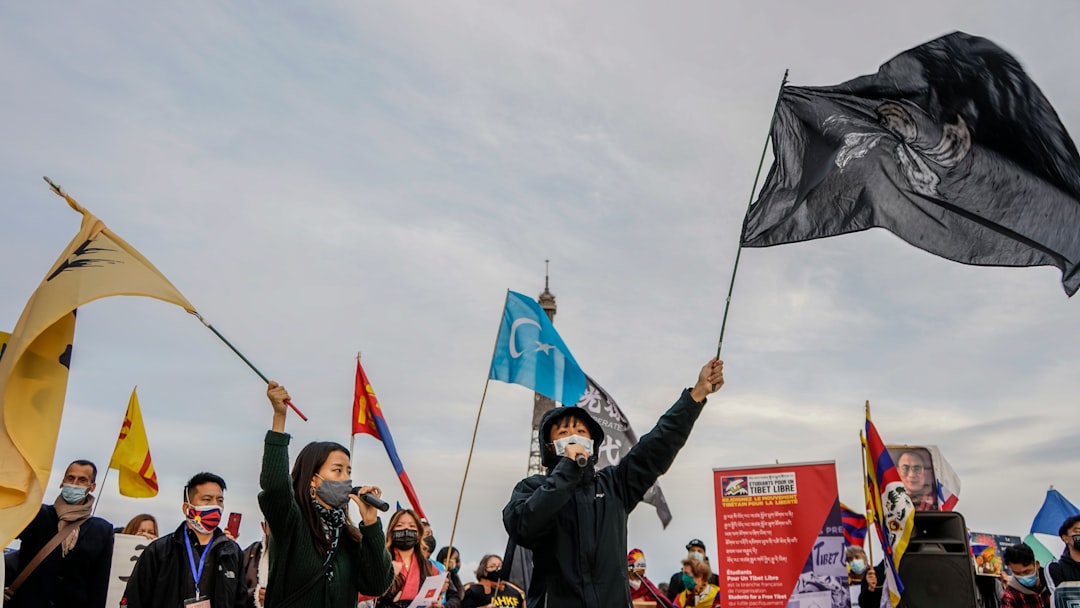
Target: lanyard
x,y
196,574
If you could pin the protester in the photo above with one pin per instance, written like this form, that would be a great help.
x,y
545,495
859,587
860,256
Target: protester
x,y
454,591
577,549
697,592
855,558
914,473
196,562
450,596
75,549
643,593
318,558
871,588
257,568
491,592
410,567
1064,574
695,549
1026,588
143,525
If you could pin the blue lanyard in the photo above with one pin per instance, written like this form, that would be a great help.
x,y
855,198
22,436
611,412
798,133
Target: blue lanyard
x,y
196,574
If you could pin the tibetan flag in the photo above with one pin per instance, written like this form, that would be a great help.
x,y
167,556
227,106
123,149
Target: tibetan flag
x,y
34,368
131,456
893,509
854,526
948,482
368,419
529,352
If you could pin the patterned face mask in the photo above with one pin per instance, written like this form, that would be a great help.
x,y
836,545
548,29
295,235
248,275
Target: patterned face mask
x,y
203,519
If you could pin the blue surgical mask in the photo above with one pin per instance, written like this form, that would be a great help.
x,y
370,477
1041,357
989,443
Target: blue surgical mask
x,y
74,494
1029,581
858,566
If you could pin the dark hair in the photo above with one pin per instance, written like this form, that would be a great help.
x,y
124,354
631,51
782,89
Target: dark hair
x,y
133,526
1068,523
86,463
307,464
446,551
1018,554
198,479
482,568
417,552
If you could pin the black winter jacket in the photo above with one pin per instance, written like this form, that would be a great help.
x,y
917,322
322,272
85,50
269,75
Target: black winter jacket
x,y
162,576
574,519
80,579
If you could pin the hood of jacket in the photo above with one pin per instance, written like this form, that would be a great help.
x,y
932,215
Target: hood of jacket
x,y
554,415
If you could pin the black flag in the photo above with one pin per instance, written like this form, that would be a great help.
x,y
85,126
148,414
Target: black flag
x,y
949,146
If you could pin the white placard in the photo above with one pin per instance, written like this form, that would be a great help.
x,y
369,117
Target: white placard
x,y
126,551
430,592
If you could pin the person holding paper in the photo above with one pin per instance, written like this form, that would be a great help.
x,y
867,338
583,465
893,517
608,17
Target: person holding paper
x,y
318,558
410,568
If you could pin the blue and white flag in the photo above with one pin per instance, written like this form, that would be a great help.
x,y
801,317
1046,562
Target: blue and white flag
x,y
530,352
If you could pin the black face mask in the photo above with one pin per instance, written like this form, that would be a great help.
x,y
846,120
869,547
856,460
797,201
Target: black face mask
x,y
403,539
493,576
429,544
1076,541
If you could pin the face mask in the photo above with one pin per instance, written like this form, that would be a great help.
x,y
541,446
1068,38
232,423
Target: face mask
x,y
562,442
635,583
403,539
1076,541
73,494
455,569
1028,581
492,576
204,519
858,566
688,582
697,555
334,493
429,543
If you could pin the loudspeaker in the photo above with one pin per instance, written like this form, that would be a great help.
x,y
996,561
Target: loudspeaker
x,y
937,570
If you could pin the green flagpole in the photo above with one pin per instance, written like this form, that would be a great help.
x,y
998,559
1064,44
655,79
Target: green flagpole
x,y
753,189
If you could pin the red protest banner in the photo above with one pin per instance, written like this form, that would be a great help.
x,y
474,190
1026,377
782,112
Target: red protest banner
x,y
778,535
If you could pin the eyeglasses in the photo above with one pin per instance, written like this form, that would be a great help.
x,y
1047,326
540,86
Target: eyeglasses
x,y
911,468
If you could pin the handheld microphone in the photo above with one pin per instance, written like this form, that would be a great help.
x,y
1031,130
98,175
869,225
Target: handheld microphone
x,y
372,500
582,461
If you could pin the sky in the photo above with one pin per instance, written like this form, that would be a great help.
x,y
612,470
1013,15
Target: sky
x,y
332,178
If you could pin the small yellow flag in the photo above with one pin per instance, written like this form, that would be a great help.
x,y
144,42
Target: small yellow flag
x,y
34,367
131,456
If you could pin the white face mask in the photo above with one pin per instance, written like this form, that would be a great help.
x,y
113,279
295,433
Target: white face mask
x,y
635,583
562,442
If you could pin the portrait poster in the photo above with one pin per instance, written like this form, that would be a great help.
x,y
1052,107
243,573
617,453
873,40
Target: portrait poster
x,y
988,549
915,466
780,542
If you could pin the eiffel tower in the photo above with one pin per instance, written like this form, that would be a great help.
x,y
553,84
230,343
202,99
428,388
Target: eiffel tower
x,y
541,403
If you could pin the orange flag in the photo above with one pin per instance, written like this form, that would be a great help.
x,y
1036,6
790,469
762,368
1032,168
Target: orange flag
x,y
34,366
131,456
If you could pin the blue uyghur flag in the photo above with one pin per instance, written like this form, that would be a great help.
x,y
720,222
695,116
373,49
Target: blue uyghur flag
x,y
1055,509
530,352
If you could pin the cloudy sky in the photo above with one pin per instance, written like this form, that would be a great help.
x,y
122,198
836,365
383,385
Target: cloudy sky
x,y
373,177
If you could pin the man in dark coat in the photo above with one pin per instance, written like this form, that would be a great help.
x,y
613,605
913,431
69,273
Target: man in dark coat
x,y
76,572
574,517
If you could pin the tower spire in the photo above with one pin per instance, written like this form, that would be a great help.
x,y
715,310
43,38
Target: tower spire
x,y
547,299
541,404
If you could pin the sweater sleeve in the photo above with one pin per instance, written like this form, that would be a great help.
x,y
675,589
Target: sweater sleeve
x,y
374,572
536,501
653,454
276,498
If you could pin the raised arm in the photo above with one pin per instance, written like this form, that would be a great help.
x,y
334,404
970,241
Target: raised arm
x,y
653,454
276,498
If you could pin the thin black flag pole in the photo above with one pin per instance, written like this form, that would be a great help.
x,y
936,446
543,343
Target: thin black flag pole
x,y
753,190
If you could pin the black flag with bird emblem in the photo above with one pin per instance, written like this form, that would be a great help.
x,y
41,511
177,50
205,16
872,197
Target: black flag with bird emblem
x,y
950,146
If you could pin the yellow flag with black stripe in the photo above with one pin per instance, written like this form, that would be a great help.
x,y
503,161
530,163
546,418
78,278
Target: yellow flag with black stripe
x,y
34,367
131,456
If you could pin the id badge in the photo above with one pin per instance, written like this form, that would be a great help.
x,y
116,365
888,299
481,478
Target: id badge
x,y
197,602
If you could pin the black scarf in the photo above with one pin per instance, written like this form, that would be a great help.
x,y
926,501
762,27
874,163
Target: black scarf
x,y
333,520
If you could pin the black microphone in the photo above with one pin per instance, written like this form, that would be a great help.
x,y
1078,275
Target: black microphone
x,y
582,461
372,500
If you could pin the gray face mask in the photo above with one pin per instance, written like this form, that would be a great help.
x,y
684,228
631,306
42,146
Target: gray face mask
x,y
73,494
334,493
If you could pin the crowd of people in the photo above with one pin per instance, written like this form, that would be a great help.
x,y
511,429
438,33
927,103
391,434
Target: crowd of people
x,y
572,518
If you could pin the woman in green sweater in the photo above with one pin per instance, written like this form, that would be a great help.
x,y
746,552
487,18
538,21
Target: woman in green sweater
x,y
318,559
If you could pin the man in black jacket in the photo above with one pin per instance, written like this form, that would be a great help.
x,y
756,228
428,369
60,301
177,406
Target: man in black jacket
x,y
197,562
574,518
76,572
1064,574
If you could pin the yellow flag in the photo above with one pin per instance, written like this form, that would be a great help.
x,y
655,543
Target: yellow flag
x,y
34,367
131,456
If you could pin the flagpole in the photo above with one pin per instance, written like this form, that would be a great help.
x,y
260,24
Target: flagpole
x,y
71,202
753,189
245,360
352,434
472,444
97,500
869,513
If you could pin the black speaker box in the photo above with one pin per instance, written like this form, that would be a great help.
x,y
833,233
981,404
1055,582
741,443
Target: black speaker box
x,y
937,570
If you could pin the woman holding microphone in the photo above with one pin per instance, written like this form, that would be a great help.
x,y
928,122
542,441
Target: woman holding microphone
x,y
319,559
